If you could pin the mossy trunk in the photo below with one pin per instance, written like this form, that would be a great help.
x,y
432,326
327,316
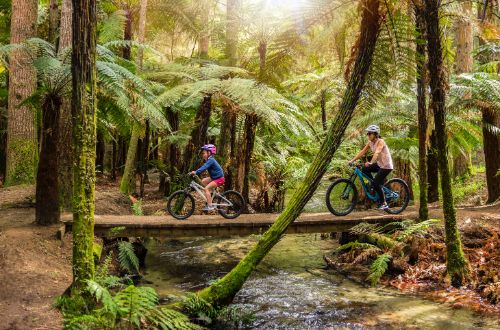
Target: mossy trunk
x,y
432,170
198,135
423,210
222,291
22,147
47,187
83,110
65,169
226,146
456,264
127,184
491,141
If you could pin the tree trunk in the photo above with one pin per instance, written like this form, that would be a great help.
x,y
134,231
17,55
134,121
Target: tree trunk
x,y
456,264
83,110
113,159
198,135
323,110
21,130
53,21
223,290
491,141
250,130
142,30
127,185
127,32
144,159
423,210
232,29
65,146
172,155
47,187
204,39
432,170
403,170
463,63
100,150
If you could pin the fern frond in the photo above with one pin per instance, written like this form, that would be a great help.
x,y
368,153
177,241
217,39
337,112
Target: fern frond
x,y
102,295
417,228
128,259
378,268
365,228
355,245
168,319
134,302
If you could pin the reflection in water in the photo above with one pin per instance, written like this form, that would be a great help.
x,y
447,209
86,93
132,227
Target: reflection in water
x,y
291,289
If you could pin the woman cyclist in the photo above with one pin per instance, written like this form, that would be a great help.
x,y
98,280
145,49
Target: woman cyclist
x,y
215,172
381,162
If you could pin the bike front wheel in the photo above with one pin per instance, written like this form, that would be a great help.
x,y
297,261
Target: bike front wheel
x,y
341,197
398,197
180,205
231,204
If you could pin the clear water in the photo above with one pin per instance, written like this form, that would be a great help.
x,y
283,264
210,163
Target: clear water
x,y
291,289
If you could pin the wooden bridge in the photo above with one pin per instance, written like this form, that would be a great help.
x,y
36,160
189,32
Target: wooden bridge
x,y
215,225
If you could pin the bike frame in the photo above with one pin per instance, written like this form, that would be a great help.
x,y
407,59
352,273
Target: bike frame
x,y
389,194
201,191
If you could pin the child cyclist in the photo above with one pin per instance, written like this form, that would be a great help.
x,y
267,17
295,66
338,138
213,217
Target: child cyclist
x,y
381,162
216,174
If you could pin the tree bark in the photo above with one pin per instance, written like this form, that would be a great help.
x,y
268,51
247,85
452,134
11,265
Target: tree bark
x,y
223,290
83,110
100,150
142,30
65,147
47,188
323,110
127,185
198,135
53,21
432,170
127,32
457,265
204,39
251,122
423,210
21,130
491,143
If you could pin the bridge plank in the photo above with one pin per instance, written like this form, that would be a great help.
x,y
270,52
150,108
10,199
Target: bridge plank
x,y
215,225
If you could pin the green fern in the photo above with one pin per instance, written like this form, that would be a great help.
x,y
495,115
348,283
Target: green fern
x,y
378,268
199,308
354,245
134,302
365,228
416,228
168,319
137,208
128,260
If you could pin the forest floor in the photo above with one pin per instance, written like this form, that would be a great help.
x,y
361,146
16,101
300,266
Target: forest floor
x,y
36,266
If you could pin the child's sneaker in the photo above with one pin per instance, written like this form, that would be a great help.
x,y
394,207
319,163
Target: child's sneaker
x,y
383,207
208,208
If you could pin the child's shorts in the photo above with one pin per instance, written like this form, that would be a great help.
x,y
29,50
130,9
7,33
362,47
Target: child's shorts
x,y
220,181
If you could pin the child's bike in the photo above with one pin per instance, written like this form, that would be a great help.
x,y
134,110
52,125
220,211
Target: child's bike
x,y
342,195
181,204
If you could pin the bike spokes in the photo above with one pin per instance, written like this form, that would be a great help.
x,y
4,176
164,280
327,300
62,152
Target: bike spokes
x,y
341,197
231,204
397,195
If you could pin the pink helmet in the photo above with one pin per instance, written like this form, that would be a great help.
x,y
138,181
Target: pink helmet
x,y
210,147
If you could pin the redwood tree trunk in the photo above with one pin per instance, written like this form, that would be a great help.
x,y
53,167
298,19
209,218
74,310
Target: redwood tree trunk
x,y
491,143
423,210
47,187
21,130
65,146
222,291
53,21
456,264
83,110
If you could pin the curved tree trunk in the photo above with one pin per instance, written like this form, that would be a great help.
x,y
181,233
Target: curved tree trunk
x,y
83,110
423,210
456,264
65,146
21,131
47,186
491,141
223,290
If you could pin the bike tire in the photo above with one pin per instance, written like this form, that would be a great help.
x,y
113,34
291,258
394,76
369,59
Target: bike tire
x,y
405,198
238,207
188,208
349,207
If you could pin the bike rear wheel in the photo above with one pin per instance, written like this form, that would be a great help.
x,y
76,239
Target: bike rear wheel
x,y
237,201
399,199
341,197
180,205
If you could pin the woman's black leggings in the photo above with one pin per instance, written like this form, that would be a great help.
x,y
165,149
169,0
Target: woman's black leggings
x,y
378,181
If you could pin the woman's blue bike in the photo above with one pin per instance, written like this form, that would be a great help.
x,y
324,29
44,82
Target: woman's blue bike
x,y
342,195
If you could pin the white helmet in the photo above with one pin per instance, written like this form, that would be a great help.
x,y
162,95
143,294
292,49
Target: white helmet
x,y
373,129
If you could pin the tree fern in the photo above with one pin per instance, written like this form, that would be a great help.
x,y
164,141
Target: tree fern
x,y
378,268
126,256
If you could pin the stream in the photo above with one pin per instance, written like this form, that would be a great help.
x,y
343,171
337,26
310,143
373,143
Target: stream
x,y
292,289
